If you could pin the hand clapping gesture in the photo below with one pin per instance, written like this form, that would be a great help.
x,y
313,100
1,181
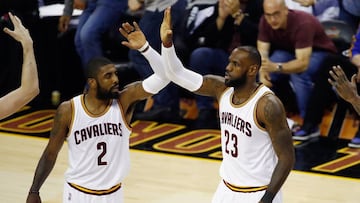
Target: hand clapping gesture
x,y
346,89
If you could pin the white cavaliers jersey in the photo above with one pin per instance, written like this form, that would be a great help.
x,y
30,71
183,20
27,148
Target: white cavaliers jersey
x,y
99,156
248,156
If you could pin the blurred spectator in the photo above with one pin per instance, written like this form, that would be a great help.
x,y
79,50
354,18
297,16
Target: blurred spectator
x,y
97,18
321,9
296,5
244,17
165,104
348,91
350,12
323,95
293,45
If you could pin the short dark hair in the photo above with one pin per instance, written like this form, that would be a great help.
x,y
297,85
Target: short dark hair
x,y
93,66
254,54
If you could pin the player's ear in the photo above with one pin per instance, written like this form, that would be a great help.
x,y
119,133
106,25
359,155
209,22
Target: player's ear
x,y
91,82
253,70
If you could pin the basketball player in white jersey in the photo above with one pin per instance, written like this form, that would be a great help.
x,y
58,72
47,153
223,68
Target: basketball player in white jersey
x,y
256,141
96,126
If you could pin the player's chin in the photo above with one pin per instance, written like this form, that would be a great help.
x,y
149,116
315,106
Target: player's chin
x,y
114,92
114,95
227,82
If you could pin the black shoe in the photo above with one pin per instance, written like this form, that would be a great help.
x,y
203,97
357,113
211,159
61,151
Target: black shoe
x,y
207,119
164,114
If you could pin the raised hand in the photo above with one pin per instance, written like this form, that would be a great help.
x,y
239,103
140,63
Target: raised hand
x,y
135,37
20,33
346,89
166,32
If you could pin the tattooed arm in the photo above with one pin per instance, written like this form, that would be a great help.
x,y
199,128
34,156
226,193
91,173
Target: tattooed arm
x,y
271,114
48,158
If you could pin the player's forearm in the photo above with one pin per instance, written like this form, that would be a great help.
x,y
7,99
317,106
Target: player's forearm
x,y
42,171
28,88
29,75
286,159
177,73
280,174
155,61
157,81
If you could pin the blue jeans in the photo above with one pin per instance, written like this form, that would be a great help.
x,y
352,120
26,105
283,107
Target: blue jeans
x,y
204,61
301,83
95,20
150,25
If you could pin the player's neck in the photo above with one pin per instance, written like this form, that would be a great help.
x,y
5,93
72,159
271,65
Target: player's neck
x,y
95,105
242,94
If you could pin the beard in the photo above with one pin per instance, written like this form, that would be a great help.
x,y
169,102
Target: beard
x,y
238,82
104,94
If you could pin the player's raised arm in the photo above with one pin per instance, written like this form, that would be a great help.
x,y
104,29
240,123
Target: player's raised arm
x,y
136,40
208,85
29,86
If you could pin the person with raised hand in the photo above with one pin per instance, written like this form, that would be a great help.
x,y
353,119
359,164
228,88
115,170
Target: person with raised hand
x,y
257,148
29,87
96,126
344,88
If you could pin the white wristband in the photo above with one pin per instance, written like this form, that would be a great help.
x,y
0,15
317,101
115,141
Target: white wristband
x,y
144,47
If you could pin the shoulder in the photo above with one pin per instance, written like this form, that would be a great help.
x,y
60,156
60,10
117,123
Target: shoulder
x,y
65,106
269,108
301,18
64,111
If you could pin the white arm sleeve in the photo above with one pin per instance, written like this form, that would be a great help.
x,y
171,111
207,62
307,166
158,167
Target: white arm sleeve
x,y
153,84
177,73
157,81
155,62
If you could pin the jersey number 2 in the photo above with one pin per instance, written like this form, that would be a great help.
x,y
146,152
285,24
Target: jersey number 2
x,y
101,146
231,140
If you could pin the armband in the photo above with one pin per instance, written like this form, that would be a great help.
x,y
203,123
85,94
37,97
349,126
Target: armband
x,y
145,47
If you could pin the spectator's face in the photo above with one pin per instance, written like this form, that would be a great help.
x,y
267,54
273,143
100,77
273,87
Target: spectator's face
x,y
275,13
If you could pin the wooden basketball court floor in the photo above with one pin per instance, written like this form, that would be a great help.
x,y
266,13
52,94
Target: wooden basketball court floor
x,y
171,163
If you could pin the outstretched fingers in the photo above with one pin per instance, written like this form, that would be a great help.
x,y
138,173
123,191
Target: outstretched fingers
x,y
20,33
166,32
136,26
167,16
